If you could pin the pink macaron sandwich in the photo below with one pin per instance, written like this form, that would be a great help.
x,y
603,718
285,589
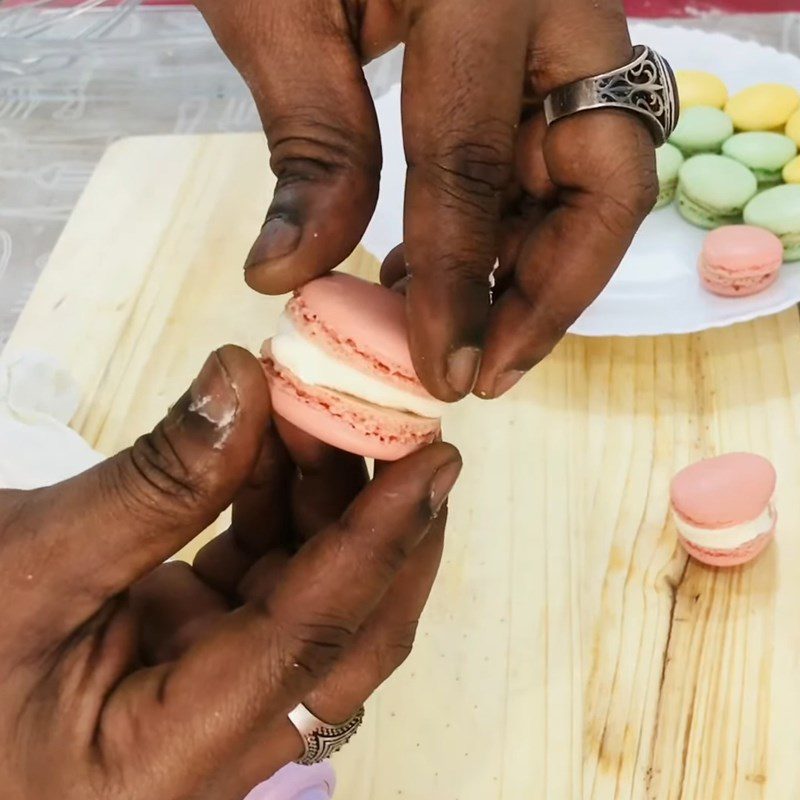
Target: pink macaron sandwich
x,y
740,260
724,508
340,368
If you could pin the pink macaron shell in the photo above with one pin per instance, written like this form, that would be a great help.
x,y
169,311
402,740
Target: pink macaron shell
x,y
347,423
729,558
361,323
740,260
743,247
740,287
296,782
724,491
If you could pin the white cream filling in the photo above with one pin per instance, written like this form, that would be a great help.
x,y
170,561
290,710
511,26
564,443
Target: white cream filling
x,y
727,538
314,366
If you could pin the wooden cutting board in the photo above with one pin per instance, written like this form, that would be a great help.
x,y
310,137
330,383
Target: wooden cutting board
x,y
569,650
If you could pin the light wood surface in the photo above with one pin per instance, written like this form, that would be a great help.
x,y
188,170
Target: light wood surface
x,y
569,650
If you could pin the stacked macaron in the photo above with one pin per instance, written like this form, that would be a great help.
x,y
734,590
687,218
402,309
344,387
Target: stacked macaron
x,y
340,368
778,210
734,159
764,153
765,107
669,161
791,172
696,88
740,260
757,129
702,129
714,190
724,508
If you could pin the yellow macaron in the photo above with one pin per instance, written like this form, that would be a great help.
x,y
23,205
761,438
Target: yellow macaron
x,y
793,127
696,88
791,172
764,107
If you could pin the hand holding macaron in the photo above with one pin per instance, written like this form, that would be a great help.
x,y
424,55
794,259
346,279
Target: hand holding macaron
x,y
129,678
487,180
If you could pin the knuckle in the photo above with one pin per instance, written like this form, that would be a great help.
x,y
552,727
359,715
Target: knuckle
x,y
621,214
312,144
545,326
646,194
472,169
555,324
160,476
305,648
552,61
387,549
386,560
468,267
317,644
628,195
394,647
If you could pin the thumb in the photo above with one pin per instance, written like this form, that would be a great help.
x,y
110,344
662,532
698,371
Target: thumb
x,y
118,521
300,61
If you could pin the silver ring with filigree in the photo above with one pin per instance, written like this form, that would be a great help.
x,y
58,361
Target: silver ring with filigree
x,y
321,739
646,86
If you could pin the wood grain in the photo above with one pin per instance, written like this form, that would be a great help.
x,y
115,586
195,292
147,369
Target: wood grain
x,y
569,650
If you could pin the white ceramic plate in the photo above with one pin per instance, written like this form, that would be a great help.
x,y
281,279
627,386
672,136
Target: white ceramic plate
x,y
656,289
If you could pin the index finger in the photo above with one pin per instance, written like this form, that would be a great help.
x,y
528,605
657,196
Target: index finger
x,y
603,167
302,67
603,163
462,95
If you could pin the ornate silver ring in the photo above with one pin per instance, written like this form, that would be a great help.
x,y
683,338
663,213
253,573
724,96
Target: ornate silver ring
x,y
646,87
321,739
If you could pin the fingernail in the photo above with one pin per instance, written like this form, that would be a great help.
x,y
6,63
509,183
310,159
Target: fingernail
x,y
278,238
507,381
441,485
212,394
462,369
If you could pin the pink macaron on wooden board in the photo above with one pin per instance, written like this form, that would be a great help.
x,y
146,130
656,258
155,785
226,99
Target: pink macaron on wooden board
x,y
740,260
340,368
724,508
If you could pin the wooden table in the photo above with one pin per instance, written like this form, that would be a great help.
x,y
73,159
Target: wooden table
x,y
569,650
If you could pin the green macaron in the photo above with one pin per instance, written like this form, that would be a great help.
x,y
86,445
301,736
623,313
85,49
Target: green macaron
x,y
764,154
702,130
778,210
713,190
668,164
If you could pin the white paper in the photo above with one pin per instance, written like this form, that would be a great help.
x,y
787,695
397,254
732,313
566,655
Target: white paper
x,y
37,447
656,289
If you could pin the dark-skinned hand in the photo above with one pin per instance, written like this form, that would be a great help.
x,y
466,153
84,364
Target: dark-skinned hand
x,y
487,179
122,678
